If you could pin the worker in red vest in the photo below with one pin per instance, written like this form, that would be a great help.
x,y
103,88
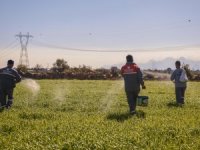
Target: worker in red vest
x,y
133,78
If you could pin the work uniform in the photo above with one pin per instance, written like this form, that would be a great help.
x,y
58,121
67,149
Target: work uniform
x,y
132,80
8,79
180,87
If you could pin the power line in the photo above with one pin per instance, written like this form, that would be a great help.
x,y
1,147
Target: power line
x,y
9,56
8,46
162,49
72,49
9,50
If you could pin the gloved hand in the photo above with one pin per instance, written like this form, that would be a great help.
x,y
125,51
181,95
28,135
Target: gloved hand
x,y
143,87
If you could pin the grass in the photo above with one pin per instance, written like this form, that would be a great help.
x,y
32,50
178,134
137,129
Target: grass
x,y
74,114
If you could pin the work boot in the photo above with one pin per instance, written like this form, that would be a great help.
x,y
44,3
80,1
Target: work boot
x,y
133,112
9,104
180,104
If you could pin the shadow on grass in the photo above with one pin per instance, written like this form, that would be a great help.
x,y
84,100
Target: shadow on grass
x,y
174,104
121,117
2,108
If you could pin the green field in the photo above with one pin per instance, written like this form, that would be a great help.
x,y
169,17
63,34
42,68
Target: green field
x,y
74,114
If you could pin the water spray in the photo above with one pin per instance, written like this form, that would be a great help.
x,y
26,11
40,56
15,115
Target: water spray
x,y
107,100
32,85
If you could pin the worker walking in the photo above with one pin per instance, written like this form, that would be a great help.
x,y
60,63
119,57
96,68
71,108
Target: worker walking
x,y
8,79
180,80
133,78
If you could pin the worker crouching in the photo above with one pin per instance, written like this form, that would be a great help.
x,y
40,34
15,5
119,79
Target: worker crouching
x,y
8,79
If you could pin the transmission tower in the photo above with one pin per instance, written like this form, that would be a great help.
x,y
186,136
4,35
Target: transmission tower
x,y
24,39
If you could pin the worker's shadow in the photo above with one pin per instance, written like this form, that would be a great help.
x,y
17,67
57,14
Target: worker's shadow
x,y
172,104
1,110
125,116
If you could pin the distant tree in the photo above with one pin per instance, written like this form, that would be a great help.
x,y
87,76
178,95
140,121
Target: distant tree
x,y
60,66
85,69
37,67
22,69
115,71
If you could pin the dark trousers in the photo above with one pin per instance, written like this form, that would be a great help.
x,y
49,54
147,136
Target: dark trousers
x,y
132,99
180,94
6,95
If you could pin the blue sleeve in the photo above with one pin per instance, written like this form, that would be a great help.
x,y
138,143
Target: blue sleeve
x,y
173,76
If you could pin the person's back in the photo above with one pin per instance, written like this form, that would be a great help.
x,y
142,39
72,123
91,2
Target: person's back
x,y
8,79
132,77
132,80
176,77
180,87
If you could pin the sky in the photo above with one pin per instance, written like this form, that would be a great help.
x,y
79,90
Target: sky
x,y
171,27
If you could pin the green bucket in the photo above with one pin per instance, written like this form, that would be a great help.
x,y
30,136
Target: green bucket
x,y
142,100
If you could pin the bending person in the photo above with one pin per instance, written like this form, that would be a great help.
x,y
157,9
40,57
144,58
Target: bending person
x,y
8,79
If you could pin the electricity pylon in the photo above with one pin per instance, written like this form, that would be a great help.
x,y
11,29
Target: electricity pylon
x,y
24,39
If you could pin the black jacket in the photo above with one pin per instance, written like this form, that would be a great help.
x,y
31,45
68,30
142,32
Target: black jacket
x,y
132,77
8,78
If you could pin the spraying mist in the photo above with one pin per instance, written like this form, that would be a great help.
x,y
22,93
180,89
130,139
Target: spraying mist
x,y
59,94
158,74
32,85
110,96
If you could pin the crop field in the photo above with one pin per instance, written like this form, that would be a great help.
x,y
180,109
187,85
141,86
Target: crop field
x,y
75,114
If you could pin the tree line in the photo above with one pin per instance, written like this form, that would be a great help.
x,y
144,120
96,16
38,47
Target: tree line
x,y
61,70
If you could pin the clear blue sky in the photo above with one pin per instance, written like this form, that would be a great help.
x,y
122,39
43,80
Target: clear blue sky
x,y
100,24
